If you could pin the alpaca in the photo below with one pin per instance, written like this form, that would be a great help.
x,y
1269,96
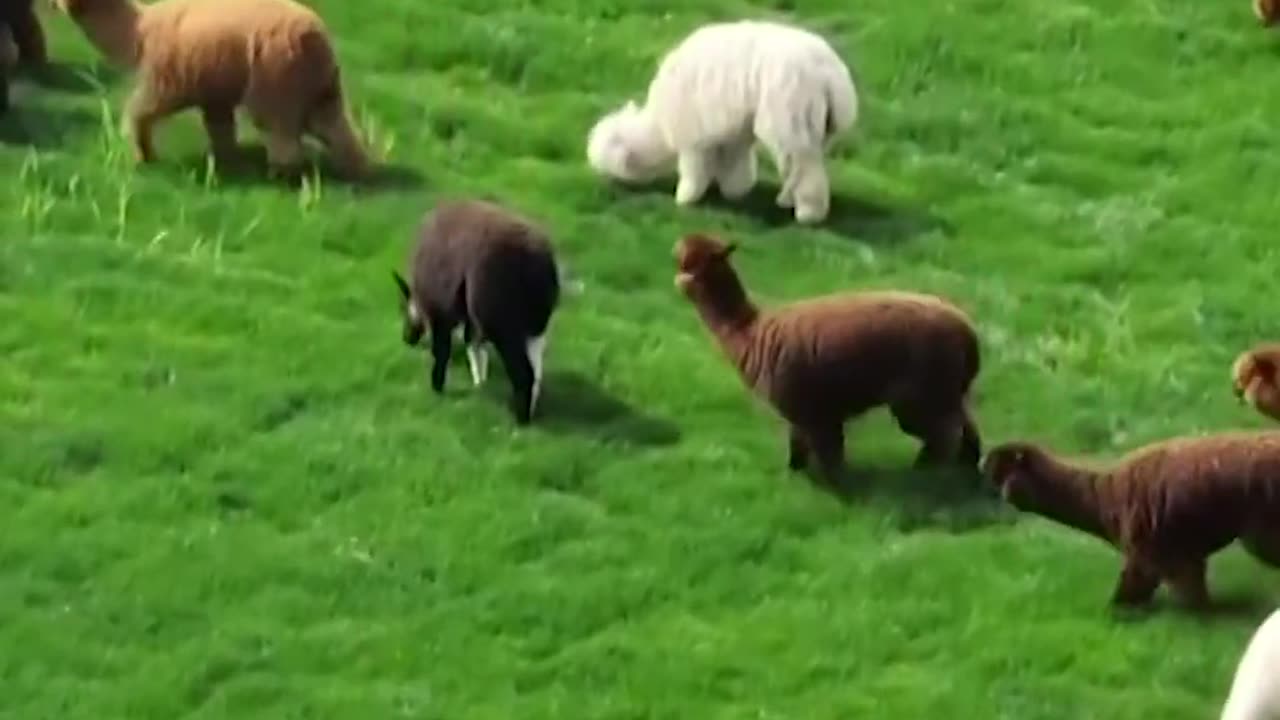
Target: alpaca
x,y
481,266
1254,379
1167,506
1268,11
273,57
722,88
23,24
822,361
1255,690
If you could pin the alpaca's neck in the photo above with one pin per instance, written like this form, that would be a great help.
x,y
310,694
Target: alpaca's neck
x,y
727,312
114,29
1069,495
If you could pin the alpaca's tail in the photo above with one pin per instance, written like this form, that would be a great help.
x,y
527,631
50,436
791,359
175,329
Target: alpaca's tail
x,y
842,101
329,121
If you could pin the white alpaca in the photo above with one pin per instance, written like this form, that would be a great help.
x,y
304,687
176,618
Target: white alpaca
x,y
717,92
1255,692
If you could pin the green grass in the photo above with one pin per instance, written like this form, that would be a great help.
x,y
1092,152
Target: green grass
x,y
227,492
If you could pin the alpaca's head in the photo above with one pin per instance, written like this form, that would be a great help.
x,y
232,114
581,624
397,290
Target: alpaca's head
x,y
414,324
1016,469
1254,379
1268,11
699,257
627,146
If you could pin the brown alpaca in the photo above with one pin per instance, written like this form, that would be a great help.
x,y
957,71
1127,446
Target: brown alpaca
x,y
1167,506
273,57
19,16
1268,11
1254,379
824,360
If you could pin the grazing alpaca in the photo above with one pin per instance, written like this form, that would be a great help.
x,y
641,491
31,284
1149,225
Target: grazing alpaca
x,y
1167,507
822,361
724,87
1255,690
1255,380
478,265
273,57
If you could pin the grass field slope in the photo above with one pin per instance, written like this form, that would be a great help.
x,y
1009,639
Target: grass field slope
x,y
226,490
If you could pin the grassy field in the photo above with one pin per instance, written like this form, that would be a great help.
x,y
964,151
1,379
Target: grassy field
x,y
227,492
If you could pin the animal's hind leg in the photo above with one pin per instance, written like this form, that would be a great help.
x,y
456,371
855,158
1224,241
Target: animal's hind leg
x,y
940,433
477,357
827,443
535,348
810,186
515,359
220,125
697,170
970,440
441,348
1187,580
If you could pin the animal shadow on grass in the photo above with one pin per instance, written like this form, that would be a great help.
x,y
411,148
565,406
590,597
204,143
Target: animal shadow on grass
x,y
854,218
948,499
573,403
1243,607
249,168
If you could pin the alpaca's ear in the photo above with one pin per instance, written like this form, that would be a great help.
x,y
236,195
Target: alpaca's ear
x,y
401,284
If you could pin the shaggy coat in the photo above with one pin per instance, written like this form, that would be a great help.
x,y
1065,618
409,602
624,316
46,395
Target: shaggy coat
x,y
1255,381
715,94
272,57
478,265
1167,507
822,361
1255,691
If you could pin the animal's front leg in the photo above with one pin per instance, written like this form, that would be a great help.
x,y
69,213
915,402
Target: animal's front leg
x,y
1188,583
441,349
737,170
1137,584
697,169
141,113
477,356
220,125
811,187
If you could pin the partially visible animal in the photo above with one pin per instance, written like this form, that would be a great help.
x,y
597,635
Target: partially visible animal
x,y
1255,689
1268,11
479,265
20,17
274,58
1255,380
717,92
822,361
8,58
1167,506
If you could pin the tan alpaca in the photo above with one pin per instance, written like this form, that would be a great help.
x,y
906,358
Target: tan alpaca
x,y
1255,381
273,57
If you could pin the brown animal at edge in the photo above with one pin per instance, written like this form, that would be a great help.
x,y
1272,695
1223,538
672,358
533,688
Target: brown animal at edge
x,y
822,361
1255,381
274,58
1267,11
1167,506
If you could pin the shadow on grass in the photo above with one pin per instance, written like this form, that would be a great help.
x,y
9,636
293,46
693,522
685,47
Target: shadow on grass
x,y
1236,607
250,169
573,403
951,500
861,219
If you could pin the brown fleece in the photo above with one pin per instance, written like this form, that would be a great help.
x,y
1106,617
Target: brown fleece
x,y
1167,506
824,360
273,57
1255,380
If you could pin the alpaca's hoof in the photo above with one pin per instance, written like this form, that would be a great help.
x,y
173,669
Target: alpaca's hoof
x,y
809,215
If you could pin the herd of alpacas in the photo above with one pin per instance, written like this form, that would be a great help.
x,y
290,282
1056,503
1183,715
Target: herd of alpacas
x,y
725,89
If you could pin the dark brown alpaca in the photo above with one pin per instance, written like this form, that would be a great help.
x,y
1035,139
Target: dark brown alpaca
x,y
822,361
1167,506
1255,379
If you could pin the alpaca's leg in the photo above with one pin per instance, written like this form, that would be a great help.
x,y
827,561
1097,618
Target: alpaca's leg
x,y
477,356
811,187
28,35
798,453
970,453
737,169
1187,581
1263,544
1137,584
828,446
535,347
4,90
940,433
441,349
697,169
142,111
220,125
786,175
515,359
331,125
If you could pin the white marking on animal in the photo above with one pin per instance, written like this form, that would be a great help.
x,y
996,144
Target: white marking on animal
x,y
534,348
478,359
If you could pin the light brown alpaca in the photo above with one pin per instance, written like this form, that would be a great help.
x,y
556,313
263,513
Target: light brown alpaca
x,y
1167,506
273,57
822,361
1255,381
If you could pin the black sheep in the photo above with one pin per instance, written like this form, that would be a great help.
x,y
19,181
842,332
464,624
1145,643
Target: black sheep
x,y
495,273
